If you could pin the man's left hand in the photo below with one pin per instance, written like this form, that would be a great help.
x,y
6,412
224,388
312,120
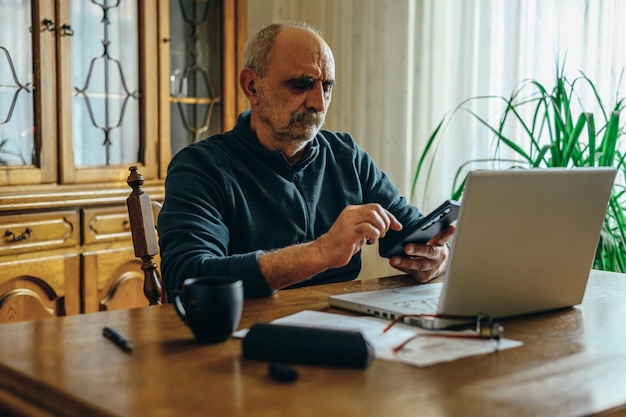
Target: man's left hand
x,y
425,262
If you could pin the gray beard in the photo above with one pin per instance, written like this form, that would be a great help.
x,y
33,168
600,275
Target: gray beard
x,y
315,118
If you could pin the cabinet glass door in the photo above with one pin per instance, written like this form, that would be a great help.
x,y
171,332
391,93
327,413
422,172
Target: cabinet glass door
x,y
27,127
200,48
17,139
107,73
195,79
105,82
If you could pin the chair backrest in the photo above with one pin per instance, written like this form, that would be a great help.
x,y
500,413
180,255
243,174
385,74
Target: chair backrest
x,y
141,214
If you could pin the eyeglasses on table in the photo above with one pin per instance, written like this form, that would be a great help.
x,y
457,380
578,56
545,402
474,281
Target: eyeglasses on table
x,y
485,328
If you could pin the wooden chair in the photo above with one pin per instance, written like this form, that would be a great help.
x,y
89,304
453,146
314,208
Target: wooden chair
x,y
141,214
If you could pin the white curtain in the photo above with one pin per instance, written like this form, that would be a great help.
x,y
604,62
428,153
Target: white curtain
x,y
488,47
402,64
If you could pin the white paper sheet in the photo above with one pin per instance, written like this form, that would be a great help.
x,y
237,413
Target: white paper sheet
x,y
422,351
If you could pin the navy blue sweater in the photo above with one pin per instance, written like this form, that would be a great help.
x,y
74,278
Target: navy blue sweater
x,y
227,199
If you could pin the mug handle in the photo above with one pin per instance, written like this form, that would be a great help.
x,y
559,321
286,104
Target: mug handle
x,y
178,306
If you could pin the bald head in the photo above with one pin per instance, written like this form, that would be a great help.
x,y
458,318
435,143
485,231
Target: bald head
x,y
283,39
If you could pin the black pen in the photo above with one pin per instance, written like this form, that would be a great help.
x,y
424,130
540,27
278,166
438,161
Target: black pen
x,y
117,338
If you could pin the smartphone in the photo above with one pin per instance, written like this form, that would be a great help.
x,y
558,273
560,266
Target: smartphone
x,y
429,226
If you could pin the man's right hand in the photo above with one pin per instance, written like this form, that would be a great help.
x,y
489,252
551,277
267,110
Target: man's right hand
x,y
355,227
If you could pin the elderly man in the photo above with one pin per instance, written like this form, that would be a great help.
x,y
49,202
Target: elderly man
x,y
277,201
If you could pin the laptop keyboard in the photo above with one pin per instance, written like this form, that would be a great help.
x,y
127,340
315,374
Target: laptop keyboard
x,y
419,305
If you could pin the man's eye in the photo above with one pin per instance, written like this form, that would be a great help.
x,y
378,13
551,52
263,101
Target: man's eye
x,y
302,83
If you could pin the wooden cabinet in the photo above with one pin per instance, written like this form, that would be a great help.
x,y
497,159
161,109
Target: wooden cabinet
x,y
45,286
116,276
39,287
117,280
86,91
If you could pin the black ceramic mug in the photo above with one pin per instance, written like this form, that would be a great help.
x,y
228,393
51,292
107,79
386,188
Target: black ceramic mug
x,y
210,306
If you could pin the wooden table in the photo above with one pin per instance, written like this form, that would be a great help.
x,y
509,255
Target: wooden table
x,y
573,362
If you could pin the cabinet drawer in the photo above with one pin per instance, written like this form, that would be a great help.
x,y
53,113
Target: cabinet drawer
x,y
38,231
106,224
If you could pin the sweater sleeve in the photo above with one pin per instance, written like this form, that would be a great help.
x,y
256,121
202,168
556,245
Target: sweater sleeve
x,y
193,237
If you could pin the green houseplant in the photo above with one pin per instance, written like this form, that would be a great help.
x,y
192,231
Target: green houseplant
x,y
543,127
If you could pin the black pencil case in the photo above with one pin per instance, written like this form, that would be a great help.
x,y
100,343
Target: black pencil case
x,y
307,345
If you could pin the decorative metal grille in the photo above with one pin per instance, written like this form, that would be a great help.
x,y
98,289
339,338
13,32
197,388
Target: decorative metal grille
x,y
18,87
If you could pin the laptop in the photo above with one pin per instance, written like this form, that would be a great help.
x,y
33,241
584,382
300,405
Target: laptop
x,y
525,243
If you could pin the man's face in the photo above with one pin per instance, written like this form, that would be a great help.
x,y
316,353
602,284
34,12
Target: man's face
x,y
294,95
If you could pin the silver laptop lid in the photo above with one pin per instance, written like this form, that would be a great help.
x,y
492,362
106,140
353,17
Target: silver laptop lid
x,y
527,238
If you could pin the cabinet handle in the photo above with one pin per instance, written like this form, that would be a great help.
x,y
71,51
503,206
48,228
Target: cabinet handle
x,y
25,235
50,26
66,30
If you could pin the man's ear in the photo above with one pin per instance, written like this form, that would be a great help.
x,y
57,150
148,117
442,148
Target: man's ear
x,y
246,82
